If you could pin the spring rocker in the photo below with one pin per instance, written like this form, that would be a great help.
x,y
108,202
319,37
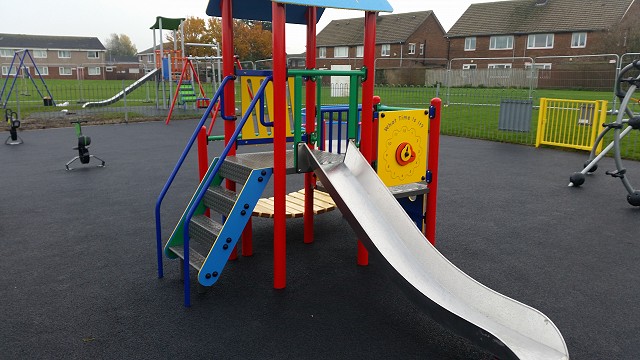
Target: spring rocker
x,y
621,127
384,184
83,147
11,117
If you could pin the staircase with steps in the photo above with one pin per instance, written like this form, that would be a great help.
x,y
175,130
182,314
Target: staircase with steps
x,y
212,238
187,93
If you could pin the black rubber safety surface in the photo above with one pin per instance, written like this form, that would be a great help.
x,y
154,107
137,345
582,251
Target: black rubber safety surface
x,y
78,270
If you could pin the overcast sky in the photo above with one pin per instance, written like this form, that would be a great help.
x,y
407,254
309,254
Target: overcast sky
x,y
101,18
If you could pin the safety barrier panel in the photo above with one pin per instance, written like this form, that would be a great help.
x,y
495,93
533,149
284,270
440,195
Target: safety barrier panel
x,y
570,123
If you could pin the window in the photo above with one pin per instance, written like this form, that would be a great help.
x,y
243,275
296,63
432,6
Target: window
x,y
134,70
540,41
499,66
94,71
6,52
360,51
385,50
40,54
322,52
108,69
469,66
501,42
64,70
470,43
64,54
412,49
151,58
341,51
5,71
543,66
579,40
93,54
44,70
421,49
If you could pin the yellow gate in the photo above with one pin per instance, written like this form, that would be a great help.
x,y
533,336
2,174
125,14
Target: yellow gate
x,y
570,123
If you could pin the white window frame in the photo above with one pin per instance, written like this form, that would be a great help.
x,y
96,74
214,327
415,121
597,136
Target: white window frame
x,y
500,66
470,43
540,66
134,70
385,50
5,71
62,54
108,69
532,39
360,51
62,71
8,53
575,43
94,71
95,53
44,70
341,51
412,49
469,66
493,42
421,49
322,52
39,54
151,58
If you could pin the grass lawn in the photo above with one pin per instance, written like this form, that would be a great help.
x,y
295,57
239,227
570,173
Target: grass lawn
x,y
468,112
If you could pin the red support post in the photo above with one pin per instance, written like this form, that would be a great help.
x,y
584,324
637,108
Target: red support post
x,y
432,167
203,156
279,145
309,180
228,69
366,130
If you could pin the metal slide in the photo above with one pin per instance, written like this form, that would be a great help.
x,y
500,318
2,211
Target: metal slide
x,y
492,321
121,94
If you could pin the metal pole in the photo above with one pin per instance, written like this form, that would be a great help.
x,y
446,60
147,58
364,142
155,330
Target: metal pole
x,y
309,182
279,145
124,102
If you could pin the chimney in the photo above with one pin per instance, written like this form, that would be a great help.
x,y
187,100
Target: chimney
x,y
541,2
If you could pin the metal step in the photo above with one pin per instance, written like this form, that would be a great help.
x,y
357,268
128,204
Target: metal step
x,y
195,258
204,230
235,170
219,199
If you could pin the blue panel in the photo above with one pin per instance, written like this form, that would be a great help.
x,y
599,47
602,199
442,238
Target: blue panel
x,y
260,10
368,5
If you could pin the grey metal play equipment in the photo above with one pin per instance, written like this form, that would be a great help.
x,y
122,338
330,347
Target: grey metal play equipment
x,y
621,127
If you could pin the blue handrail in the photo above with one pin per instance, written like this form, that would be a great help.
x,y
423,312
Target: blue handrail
x,y
207,182
218,95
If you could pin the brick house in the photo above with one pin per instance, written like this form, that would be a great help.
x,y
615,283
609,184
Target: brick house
x,y
123,68
57,57
402,40
521,29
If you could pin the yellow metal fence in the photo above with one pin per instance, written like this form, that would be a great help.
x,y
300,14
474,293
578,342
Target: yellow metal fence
x,y
570,123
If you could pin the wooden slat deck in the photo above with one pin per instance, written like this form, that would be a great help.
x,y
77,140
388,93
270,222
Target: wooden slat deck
x,y
322,203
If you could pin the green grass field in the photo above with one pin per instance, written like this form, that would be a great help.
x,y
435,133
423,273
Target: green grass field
x,y
468,112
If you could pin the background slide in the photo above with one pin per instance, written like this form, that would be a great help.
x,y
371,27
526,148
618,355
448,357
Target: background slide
x,y
492,321
121,94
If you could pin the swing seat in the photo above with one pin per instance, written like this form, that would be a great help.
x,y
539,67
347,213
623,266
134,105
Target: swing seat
x,y
202,103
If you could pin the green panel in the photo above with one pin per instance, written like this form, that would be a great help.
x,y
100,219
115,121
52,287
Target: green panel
x,y
177,236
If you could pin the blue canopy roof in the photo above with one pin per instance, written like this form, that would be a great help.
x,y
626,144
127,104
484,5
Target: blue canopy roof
x,y
296,9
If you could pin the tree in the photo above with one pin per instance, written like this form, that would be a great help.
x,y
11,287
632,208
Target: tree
x,y
251,40
624,37
120,45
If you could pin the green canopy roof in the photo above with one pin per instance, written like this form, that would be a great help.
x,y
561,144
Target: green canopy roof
x,y
167,23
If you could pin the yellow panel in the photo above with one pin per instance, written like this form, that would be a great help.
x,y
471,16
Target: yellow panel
x,y
253,129
402,146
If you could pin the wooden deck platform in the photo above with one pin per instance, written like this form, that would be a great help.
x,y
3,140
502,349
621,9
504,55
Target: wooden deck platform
x,y
322,202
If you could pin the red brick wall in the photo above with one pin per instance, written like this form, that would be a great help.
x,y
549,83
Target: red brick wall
x,y
561,47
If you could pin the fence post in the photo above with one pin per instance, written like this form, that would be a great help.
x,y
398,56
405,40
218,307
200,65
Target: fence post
x,y
541,116
124,99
